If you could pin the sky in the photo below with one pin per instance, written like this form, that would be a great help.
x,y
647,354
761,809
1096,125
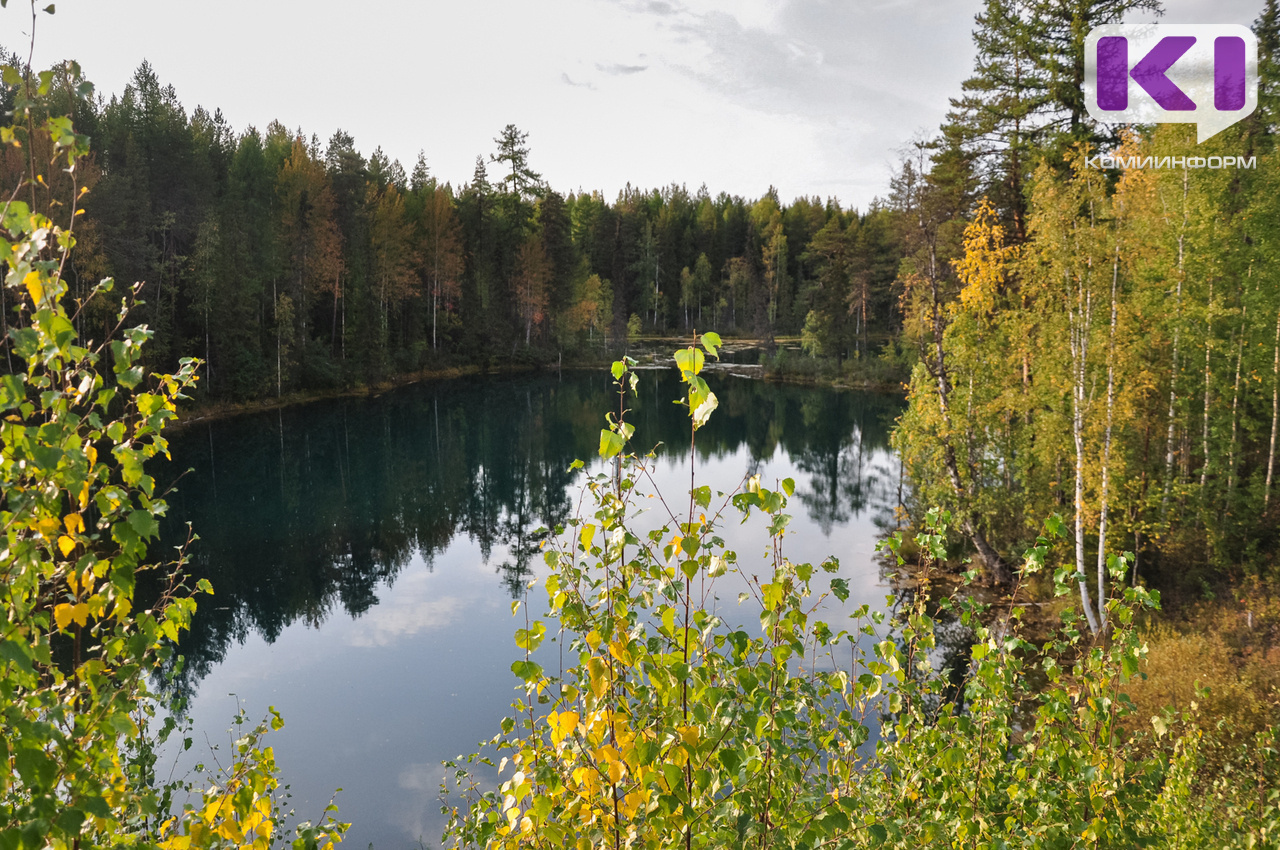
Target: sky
x,y
814,97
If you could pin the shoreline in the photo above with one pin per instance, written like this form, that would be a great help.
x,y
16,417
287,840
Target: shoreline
x,y
216,411
203,413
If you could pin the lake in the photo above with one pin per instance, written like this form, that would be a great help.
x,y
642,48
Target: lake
x,y
364,554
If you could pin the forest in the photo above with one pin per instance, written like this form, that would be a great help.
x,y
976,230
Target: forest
x,y
1103,341
287,264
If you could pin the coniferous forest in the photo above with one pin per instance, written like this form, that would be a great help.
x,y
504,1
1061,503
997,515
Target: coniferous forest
x,y
287,263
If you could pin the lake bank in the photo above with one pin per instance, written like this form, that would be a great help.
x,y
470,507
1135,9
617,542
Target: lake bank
x,y
748,358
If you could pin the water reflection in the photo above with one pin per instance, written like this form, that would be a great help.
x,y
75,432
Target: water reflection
x,y
308,511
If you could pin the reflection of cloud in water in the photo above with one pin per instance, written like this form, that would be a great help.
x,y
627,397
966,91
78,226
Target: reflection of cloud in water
x,y
420,818
406,612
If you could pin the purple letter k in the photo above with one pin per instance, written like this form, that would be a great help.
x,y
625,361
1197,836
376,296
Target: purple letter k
x,y
1150,73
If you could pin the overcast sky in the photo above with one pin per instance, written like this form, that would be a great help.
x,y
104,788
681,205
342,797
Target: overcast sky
x,y
816,97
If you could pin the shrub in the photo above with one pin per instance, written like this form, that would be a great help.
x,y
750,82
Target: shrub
x,y
669,726
79,424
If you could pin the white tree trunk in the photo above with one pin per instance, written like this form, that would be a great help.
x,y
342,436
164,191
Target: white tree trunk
x,y
1079,338
1173,372
1275,415
1106,449
1204,439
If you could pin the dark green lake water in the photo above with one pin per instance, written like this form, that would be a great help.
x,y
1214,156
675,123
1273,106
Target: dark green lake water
x,y
364,554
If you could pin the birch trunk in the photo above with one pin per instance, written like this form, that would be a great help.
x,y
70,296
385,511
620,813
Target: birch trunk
x,y
1079,341
1204,438
1275,416
1106,449
1235,410
991,560
1173,373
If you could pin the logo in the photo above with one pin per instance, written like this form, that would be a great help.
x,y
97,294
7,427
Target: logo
x,y
1205,75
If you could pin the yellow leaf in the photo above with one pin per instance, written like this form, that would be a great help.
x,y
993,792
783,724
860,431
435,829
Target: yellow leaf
x,y
65,613
48,527
562,725
632,802
619,650
74,523
122,608
599,679
34,287
66,545
84,496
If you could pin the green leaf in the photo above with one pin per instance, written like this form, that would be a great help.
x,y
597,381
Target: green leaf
x,y
731,759
144,524
610,443
37,770
17,217
12,391
129,378
840,587
95,806
69,821
711,342
526,670
530,639
689,361
62,330
26,342
16,652
617,369
674,777
1128,665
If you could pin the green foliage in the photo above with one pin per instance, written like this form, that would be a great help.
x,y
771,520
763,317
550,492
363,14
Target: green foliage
x,y
291,266
672,724
79,509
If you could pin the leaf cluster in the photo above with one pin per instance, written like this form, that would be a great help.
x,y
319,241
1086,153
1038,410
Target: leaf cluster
x,y
672,723
78,424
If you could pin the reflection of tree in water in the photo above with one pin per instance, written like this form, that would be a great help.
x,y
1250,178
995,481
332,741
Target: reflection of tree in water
x,y
306,512
842,461
950,658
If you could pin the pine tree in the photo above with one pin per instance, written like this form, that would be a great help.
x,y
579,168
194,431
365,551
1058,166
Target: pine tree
x,y
998,118
1267,29
513,153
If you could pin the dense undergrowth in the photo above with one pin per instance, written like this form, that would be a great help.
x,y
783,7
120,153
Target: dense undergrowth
x,y
671,723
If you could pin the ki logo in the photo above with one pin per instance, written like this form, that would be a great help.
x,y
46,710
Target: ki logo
x,y
1206,75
